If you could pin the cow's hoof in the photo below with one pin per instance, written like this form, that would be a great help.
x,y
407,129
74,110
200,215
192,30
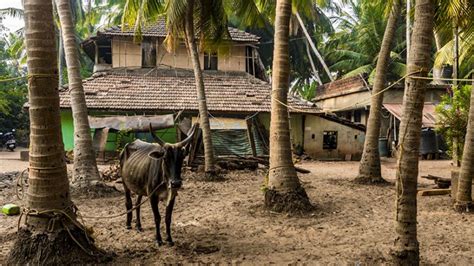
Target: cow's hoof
x,y
169,243
139,229
128,227
159,242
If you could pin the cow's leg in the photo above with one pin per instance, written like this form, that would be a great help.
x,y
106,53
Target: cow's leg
x,y
128,205
137,206
169,212
156,214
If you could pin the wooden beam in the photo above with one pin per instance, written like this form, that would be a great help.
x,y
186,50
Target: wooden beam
x,y
434,192
251,137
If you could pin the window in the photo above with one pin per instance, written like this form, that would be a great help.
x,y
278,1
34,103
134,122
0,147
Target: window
x,y
249,60
357,116
148,53
330,140
210,61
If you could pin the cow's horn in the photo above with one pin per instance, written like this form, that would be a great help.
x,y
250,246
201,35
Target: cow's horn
x,y
155,137
190,135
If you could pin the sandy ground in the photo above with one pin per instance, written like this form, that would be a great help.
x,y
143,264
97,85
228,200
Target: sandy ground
x,y
225,222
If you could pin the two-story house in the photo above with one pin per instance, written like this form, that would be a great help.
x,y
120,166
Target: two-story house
x,y
143,79
350,98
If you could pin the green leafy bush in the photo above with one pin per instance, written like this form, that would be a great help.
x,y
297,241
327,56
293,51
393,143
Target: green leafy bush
x,y
452,115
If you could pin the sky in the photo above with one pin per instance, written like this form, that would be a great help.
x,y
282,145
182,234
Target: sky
x,y
12,23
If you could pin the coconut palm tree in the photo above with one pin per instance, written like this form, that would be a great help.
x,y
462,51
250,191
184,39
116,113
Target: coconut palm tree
x,y
202,12
355,47
187,19
284,191
48,196
464,194
406,250
369,168
85,165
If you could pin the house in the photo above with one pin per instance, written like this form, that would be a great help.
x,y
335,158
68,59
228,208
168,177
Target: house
x,y
349,99
135,84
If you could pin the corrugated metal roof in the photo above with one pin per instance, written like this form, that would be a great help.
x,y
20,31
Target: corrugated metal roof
x,y
429,118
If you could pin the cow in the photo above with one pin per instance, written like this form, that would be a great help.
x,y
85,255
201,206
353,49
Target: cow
x,y
153,170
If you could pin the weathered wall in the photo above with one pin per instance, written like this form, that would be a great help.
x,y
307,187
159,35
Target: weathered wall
x,y
126,53
350,141
232,60
296,127
362,100
396,96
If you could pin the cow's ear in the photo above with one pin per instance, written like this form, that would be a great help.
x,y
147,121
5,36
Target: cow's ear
x,y
158,154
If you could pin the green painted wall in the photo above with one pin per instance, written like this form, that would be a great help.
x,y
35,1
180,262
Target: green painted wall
x,y
67,127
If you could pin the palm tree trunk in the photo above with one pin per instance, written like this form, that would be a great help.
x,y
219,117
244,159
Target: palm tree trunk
x,y
464,195
369,169
60,59
209,159
406,250
284,191
85,165
48,191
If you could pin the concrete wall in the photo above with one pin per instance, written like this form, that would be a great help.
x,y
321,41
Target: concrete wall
x,y
126,53
396,96
296,127
350,141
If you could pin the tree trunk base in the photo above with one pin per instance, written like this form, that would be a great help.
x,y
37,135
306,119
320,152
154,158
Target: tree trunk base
x,y
213,176
294,202
370,180
406,257
464,207
93,189
55,249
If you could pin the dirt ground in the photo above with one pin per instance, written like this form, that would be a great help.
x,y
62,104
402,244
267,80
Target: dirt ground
x,y
225,222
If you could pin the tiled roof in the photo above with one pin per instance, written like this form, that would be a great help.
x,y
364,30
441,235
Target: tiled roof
x,y
174,90
355,84
159,30
340,87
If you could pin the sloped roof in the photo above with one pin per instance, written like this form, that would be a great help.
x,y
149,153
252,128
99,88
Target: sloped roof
x,y
341,87
158,29
428,118
357,84
174,90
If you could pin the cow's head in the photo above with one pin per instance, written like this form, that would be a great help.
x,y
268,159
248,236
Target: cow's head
x,y
172,156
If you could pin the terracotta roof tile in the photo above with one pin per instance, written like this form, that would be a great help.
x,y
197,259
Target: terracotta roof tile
x,y
174,90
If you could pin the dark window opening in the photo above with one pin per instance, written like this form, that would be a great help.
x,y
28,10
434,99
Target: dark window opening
x,y
357,116
210,61
148,53
104,50
348,116
330,140
250,64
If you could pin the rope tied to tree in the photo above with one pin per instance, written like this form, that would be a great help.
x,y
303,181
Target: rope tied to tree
x,y
61,217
